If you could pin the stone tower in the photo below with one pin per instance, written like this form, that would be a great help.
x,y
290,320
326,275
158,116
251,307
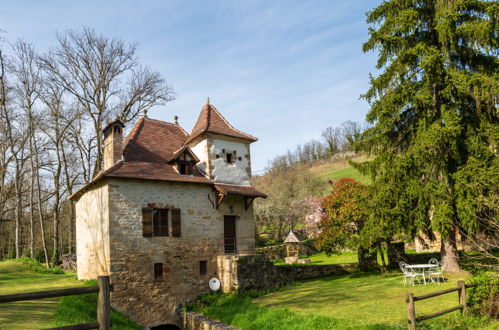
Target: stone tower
x,y
223,151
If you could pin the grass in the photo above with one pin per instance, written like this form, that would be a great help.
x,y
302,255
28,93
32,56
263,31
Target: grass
x,y
82,309
323,259
16,277
355,301
336,170
25,276
374,298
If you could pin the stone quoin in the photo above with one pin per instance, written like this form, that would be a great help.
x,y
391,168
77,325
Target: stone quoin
x,y
165,211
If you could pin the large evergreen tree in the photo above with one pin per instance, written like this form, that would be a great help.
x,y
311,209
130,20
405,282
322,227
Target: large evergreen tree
x,y
433,135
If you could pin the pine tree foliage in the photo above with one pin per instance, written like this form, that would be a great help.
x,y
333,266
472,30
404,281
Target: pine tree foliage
x,y
433,135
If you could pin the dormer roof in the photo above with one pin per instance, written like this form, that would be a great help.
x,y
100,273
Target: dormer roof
x,y
211,121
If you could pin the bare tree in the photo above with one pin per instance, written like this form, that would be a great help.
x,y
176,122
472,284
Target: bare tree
x,y
16,143
350,131
58,121
104,76
333,138
27,80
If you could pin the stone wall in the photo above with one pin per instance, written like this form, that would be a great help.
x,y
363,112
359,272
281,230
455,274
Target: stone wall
x,y
423,244
92,233
279,251
69,261
258,273
110,241
196,321
152,302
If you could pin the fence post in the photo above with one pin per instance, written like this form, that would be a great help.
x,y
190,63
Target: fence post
x,y
104,303
411,313
462,295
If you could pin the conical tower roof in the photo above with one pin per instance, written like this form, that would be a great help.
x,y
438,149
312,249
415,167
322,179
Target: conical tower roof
x,y
211,121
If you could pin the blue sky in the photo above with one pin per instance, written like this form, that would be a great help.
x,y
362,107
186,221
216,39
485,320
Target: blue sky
x,y
279,70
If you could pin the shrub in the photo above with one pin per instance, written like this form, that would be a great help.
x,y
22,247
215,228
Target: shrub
x,y
35,266
484,299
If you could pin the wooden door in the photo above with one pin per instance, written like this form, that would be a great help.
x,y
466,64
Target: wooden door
x,y
230,234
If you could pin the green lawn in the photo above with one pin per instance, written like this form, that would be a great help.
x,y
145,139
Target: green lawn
x,y
355,301
323,259
360,299
16,277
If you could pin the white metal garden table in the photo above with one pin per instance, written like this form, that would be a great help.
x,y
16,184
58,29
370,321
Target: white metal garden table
x,y
420,269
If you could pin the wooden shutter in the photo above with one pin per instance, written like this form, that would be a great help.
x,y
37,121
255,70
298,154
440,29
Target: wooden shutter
x,y
163,222
176,232
146,222
155,222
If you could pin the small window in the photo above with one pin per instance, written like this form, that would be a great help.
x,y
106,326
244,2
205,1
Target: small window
x,y
229,158
185,167
203,267
158,271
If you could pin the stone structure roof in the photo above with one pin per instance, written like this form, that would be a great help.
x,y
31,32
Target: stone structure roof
x,y
291,238
152,146
211,121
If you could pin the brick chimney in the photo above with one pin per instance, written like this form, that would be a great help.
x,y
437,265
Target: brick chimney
x,y
113,143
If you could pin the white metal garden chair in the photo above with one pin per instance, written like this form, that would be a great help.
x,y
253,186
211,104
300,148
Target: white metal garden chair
x,y
436,270
409,273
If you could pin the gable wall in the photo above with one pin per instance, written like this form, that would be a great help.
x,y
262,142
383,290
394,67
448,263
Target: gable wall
x,y
136,293
217,169
92,234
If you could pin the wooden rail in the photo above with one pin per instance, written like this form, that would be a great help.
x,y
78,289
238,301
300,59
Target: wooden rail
x,y
411,310
103,302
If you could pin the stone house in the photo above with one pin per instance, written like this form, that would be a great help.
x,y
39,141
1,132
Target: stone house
x,y
165,211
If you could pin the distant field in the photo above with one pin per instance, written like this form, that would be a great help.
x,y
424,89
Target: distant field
x,y
338,169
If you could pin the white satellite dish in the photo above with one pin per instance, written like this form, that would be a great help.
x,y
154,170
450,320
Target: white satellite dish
x,y
214,284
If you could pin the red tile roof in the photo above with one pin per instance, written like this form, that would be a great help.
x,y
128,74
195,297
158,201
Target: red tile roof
x,y
149,150
153,141
211,121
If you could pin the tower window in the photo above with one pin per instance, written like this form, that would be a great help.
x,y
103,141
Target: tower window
x,y
229,158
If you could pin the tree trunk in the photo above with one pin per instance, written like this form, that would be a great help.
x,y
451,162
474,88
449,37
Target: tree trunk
x,y
39,202
367,260
448,250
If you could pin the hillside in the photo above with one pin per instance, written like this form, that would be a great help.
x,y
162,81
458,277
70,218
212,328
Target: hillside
x,y
336,169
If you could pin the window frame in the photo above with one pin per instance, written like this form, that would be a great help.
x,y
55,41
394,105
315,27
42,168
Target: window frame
x,y
155,222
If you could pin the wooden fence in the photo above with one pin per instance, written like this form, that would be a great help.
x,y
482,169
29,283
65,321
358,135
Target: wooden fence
x,y
411,311
103,302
